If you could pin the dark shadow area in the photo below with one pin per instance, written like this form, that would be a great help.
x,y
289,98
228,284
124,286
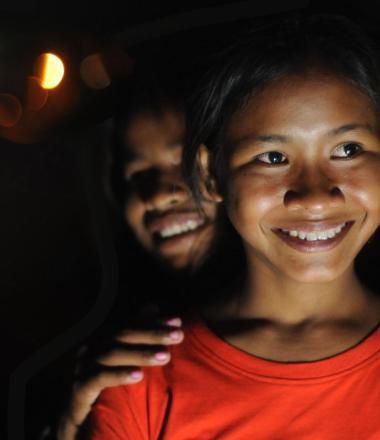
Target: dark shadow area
x,y
50,268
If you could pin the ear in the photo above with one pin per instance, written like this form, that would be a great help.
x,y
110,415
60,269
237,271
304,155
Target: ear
x,y
208,182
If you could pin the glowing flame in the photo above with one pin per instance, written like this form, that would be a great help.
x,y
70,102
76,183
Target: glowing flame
x,y
50,70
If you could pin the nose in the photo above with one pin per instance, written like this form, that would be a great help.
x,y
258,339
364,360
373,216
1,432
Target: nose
x,y
163,189
313,191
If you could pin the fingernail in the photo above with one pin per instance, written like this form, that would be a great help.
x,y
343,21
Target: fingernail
x,y
161,356
135,375
174,322
175,335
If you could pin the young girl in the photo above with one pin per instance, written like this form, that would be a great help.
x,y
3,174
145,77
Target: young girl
x,y
286,136
165,221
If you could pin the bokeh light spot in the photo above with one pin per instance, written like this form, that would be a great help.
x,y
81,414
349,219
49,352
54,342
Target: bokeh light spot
x,y
50,70
94,73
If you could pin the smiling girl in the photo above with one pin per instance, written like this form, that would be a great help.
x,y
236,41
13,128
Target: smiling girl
x,y
284,133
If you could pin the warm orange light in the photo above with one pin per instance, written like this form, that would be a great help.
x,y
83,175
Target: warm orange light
x,y
50,70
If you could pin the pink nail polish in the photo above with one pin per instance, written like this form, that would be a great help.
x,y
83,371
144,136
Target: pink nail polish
x,y
174,322
136,375
175,335
161,356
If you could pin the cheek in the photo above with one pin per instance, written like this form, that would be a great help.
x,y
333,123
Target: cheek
x,y
210,210
134,214
251,200
202,244
365,189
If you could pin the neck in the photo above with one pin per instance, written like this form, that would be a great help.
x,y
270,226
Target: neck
x,y
281,319
288,302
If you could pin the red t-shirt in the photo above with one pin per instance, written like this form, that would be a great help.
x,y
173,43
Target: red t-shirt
x,y
212,391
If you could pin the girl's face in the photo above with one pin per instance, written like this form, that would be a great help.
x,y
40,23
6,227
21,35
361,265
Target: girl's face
x,y
303,188
159,207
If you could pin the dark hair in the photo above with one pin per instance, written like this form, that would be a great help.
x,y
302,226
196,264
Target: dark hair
x,y
151,89
277,48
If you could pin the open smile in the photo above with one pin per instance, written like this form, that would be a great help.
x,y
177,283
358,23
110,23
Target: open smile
x,y
175,229
315,240
180,228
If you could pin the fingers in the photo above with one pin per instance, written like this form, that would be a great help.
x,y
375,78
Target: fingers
x,y
117,366
133,348
134,357
167,336
143,347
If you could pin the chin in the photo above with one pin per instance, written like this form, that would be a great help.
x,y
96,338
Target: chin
x,y
315,275
174,262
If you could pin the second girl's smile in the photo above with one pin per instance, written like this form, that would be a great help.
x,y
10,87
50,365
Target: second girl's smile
x,y
159,208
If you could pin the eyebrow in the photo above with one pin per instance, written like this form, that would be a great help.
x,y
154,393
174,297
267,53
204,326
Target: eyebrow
x,y
351,127
250,139
279,138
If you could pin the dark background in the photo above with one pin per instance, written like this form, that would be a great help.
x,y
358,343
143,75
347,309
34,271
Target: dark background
x,y
57,250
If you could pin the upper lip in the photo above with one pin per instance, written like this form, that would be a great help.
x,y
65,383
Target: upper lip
x,y
313,226
157,223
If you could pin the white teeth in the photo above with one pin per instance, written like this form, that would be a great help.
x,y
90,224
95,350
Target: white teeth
x,y
176,230
313,236
171,231
322,235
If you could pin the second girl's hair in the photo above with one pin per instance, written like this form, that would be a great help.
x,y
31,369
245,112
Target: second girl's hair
x,y
151,90
283,46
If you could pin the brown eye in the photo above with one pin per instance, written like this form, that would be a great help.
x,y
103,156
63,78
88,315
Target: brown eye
x,y
348,150
272,158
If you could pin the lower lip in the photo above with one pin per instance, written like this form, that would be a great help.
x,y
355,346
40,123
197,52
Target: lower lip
x,y
314,246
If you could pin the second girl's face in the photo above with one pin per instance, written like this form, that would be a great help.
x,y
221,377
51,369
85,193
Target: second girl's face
x,y
303,189
159,207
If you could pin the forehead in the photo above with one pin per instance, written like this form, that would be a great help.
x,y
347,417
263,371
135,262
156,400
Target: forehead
x,y
149,133
304,105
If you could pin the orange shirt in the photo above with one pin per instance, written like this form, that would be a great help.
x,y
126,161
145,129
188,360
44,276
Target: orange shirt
x,y
212,391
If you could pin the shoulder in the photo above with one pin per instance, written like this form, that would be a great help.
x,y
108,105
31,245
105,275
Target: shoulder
x,y
128,411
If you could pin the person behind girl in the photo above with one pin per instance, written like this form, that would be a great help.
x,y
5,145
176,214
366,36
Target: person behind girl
x,y
158,206
285,134
162,215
